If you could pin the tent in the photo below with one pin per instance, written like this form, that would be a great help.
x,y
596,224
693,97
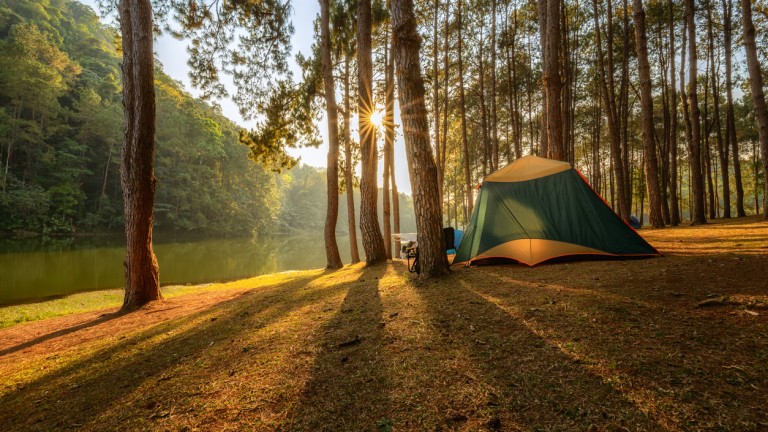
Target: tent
x,y
537,209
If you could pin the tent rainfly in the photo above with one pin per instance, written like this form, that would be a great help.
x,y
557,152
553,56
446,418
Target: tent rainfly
x,y
537,209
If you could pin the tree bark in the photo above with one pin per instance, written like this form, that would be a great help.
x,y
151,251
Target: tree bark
x,y
722,150
649,144
487,163
607,87
674,215
142,281
694,144
552,83
436,90
758,96
730,123
421,165
543,18
493,117
373,243
389,124
333,259
385,199
354,252
463,107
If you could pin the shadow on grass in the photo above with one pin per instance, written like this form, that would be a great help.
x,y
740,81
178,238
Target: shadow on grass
x,y
686,366
98,386
524,381
346,390
53,335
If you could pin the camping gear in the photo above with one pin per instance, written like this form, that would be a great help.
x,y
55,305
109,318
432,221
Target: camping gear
x,y
457,236
634,222
537,209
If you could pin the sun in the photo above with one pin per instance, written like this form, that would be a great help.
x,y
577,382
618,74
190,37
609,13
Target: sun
x,y
377,118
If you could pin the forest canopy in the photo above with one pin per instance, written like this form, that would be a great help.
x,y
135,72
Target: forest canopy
x,y
61,129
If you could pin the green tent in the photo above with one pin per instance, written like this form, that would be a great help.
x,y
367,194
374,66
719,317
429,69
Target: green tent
x,y
537,209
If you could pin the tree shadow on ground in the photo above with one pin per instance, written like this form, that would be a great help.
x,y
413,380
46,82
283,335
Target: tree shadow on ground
x,y
688,367
62,332
522,381
346,389
133,383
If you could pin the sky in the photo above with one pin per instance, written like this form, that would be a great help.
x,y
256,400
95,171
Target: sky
x,y
172,53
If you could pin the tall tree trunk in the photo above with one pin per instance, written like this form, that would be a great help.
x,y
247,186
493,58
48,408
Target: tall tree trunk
x,y
421,165
348,179
387,214
722,150
706,160
494,118
649,144
543,18
663,148
487,163
142,281
463,107
694,144
436,92
514,108
333,259
624,106
758,96
389,124
730,123
553,84
373,243
441,158
673,185
607,87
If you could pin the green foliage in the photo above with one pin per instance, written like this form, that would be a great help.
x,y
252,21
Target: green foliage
x,y
61,131
61,120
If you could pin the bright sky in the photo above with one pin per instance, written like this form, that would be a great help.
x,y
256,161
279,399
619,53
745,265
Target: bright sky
x,y
173,55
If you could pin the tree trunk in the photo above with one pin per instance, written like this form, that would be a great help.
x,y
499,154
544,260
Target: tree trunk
x,y
552,83
730,123
436,92
674,217
758,96
463,107
421,165
355,254
649,144
389,124
487,163
722,151
333,259
494,117
694,144
142,281
543,18
385,199
373,243
618,183
624,107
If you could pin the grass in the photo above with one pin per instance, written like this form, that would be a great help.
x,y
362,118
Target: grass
x,y
96,300
599,346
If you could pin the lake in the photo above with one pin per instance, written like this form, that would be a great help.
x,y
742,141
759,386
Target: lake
x,y
36,268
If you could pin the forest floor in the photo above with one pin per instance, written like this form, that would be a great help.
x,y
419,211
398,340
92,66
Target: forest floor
x,y
678,342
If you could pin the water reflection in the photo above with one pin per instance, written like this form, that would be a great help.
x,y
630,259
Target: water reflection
x,y
37,268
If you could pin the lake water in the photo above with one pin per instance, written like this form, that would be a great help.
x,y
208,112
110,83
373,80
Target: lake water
x,y
42,267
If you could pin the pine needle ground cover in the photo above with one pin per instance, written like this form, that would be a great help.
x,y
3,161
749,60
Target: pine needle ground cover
x,y
673,343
